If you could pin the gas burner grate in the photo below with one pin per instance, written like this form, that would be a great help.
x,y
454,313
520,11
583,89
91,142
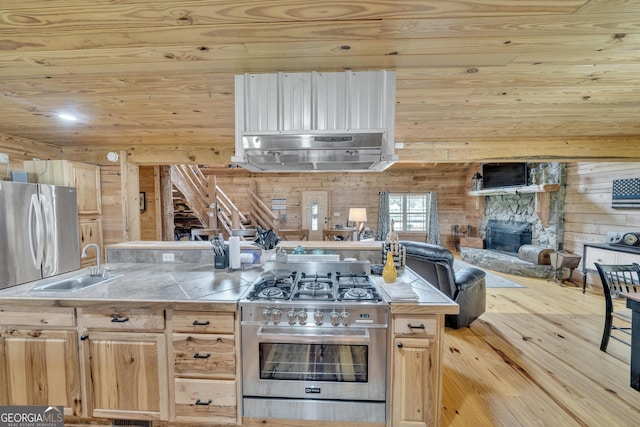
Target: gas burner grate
x,y
314,289
272,293
357,293
269,290
354,280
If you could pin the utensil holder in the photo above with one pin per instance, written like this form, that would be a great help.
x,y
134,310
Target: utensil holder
x,y
221,261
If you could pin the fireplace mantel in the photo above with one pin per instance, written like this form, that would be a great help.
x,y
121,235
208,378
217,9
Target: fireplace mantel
x,y
523,189
541,191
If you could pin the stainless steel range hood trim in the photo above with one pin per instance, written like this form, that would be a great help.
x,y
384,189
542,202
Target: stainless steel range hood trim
x,y
316,151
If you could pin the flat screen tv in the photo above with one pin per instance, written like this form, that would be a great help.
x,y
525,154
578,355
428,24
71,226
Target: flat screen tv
x,y
495,175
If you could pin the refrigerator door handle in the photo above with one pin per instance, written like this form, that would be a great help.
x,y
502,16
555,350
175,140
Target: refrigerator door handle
x,y
37,252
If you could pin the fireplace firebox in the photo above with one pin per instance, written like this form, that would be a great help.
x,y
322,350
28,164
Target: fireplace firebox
x,y
507,236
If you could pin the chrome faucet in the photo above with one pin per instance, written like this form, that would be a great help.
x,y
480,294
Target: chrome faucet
x,y
96,271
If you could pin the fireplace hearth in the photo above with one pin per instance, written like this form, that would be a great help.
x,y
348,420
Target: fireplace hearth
x,y
507,236
505,263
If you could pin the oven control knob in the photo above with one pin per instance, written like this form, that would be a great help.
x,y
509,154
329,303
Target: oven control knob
x,y
276,314
344,316
318,316
291,316
302,317
266,314
335,318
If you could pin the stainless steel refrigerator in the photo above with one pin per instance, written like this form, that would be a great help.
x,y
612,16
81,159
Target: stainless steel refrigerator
x,y
38,232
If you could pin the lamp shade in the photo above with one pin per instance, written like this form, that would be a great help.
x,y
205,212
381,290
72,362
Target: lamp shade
x,y
357,214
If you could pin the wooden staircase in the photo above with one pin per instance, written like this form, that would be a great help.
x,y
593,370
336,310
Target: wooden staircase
x,y
199,203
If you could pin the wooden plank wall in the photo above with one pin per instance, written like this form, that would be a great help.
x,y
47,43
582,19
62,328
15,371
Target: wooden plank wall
x,y
588,212
112,209
358,190
21,149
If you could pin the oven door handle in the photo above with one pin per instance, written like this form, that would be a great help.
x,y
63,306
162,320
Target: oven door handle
x,y
279,334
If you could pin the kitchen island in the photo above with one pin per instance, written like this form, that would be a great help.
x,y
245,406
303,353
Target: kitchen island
x,y
161,343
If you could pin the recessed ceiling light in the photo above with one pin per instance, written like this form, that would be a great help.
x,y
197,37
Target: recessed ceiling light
x,y
69,117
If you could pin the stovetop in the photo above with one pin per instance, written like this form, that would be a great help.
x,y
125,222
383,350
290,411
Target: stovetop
x,y
323,281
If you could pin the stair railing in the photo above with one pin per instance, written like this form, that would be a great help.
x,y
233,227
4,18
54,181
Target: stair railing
x,y
194,185
262,214
188,180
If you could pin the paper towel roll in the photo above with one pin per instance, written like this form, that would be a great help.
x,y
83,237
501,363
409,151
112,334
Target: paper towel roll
x,y
234,252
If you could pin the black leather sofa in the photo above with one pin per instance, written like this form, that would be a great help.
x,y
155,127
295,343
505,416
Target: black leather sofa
x,y
466,286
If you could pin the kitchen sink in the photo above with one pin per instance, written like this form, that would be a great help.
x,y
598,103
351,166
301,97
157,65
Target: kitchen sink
x,y
75,283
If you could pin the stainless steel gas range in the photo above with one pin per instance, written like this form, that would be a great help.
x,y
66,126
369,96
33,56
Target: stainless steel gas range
x,y
314,343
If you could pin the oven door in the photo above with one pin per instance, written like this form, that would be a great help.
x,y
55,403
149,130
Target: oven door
x,y
314,362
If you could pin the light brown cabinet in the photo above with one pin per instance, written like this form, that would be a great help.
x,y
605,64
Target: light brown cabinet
x,y
125,364
39,359
416,376
204,367
86,179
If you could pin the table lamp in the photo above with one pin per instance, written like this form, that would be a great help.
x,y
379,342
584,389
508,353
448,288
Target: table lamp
x,y
358,215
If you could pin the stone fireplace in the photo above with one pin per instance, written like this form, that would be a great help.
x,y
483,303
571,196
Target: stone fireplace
x,y
522,208
510,220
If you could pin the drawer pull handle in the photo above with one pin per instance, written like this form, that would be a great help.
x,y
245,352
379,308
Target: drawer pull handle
x,y
400,345
117,319
84,337
421,326
202,356
200,402
197,323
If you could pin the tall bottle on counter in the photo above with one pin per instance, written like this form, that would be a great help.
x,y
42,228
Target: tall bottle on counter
x,y
234,252
389,272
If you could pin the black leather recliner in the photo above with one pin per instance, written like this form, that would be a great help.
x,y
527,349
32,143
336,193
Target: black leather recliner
x,y
466,286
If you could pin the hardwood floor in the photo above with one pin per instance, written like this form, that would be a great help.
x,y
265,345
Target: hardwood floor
x,y
533,359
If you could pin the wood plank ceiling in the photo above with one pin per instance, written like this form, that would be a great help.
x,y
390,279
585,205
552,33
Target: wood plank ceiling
x,y
477,80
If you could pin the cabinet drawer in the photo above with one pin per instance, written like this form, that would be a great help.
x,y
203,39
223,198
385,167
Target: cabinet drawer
x,y
206,400
148,320
601,256
203,322
415,326
627,258
204,355
40,317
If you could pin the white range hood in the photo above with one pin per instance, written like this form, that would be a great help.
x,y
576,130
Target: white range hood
x,y
315,122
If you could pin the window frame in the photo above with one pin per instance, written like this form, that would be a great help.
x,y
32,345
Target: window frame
x,y
405,214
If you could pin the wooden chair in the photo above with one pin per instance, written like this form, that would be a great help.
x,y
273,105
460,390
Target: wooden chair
x,y
617,280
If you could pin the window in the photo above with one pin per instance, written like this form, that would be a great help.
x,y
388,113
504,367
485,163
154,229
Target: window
x,y
409,212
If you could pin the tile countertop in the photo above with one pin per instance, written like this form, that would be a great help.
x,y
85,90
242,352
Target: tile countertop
x,y
157,283
410,290
177,285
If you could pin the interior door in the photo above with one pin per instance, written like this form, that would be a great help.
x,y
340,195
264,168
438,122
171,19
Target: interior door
x,y
315,211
